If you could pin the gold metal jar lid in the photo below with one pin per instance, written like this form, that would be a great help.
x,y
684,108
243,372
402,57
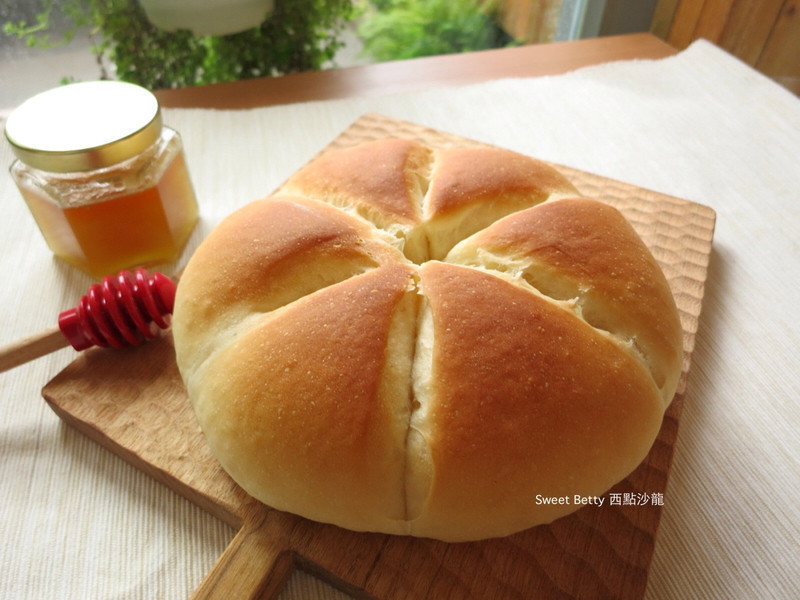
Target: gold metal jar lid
x,y
84,126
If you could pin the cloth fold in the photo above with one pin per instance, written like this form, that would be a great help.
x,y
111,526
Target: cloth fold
x,y
700,125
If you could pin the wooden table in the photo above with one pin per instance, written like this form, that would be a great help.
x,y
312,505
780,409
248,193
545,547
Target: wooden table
x,y
78,522
420,73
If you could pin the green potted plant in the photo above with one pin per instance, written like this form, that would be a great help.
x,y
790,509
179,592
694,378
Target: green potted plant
x,y
295,36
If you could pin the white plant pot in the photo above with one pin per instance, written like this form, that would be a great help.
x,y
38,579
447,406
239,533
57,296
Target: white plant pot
x,y
207,17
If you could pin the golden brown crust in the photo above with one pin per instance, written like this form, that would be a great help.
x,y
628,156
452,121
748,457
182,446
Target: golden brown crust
x,y
568,410
582,250
383,181
523,343
471,176
286,391
471,188
264,256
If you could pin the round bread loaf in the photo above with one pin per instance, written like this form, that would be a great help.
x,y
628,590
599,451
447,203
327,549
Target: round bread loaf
x,y
428,342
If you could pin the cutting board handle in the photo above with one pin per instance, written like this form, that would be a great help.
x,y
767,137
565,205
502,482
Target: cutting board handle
x,y
256,565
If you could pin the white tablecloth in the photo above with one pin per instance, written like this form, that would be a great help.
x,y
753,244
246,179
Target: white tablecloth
x,y
76,522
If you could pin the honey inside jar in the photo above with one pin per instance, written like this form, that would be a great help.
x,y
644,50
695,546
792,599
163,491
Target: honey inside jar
x,y
142,227
107,207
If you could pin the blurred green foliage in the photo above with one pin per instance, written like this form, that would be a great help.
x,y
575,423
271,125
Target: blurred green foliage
x,y
400,29
296,36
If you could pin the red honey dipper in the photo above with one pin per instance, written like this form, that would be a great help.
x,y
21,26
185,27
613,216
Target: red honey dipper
x,y
123,310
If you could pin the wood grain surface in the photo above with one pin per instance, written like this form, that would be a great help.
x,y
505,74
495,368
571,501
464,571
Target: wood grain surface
x,y
133,403
765,34
402,76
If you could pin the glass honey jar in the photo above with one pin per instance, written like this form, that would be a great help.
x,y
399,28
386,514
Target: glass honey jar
x,y
105,180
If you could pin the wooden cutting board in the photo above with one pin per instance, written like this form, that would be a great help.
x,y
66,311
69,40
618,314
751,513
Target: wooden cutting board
x,y
133,403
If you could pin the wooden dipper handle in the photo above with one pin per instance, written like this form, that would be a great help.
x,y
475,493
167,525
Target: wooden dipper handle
x,y
32,347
